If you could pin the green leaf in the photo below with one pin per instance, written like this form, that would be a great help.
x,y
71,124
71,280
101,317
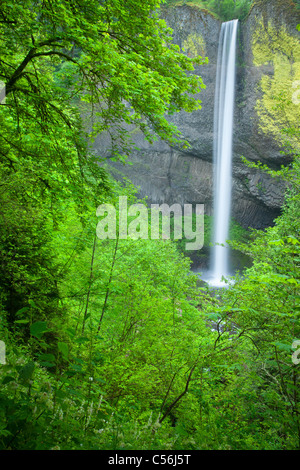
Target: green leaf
x,y
283,346
82,339
22,310
47,364
7,379
63,349
38,328
26,372
61,394
47,360
75,368
47,357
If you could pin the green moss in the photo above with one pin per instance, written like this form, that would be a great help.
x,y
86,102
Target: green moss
x,y
279,106
196,5
279,6
194,45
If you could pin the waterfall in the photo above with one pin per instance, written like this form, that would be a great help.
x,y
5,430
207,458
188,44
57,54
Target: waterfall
x,y
223,130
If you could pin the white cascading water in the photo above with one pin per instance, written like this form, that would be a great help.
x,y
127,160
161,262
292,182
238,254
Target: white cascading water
x,y
223,130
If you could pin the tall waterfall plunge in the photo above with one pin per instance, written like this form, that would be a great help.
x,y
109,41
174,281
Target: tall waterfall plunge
x,y
223,130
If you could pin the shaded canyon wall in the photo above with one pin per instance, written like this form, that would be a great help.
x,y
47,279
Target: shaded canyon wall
x,y
268,42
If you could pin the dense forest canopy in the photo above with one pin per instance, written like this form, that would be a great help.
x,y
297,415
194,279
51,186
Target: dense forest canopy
x,y
112,344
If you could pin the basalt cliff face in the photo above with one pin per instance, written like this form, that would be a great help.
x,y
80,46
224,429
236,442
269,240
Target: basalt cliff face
x,y
268,59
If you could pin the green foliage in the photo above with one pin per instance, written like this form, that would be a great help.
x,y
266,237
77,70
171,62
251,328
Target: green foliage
x,y
230,9
110,344
53,77
135,67
264,308
278,107
225,9
129,342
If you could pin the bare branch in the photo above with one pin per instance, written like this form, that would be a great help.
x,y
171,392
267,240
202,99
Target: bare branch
x,y
179,396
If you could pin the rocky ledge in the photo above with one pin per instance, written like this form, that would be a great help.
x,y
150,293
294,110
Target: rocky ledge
x,y
169,175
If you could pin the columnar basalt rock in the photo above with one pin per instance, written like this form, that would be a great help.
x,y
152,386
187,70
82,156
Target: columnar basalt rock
x,y
170,175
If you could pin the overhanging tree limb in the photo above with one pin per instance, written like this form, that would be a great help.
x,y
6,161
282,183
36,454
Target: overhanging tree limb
x,y
169,409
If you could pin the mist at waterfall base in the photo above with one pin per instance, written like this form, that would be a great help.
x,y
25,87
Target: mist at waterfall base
x,y
222,155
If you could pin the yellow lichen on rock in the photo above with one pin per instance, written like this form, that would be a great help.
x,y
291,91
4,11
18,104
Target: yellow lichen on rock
x,y
194,45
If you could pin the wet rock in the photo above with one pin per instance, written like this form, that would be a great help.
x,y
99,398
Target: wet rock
x,y
169,175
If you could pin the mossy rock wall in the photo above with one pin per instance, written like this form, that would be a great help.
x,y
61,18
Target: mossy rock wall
x,y
268,77
267,74
269,70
